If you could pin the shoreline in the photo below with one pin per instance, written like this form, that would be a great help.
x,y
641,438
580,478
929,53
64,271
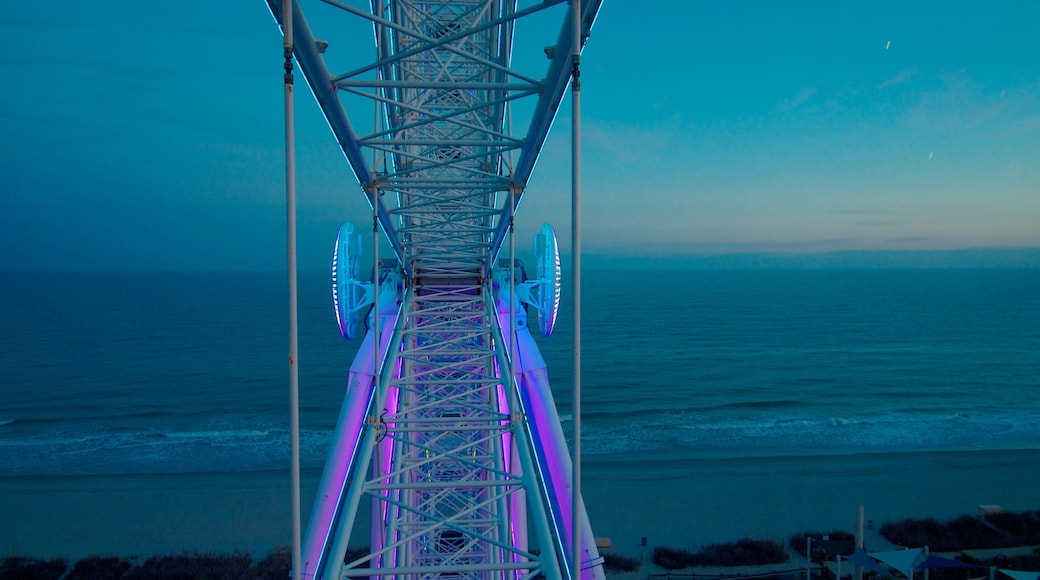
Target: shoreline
x,y
670,500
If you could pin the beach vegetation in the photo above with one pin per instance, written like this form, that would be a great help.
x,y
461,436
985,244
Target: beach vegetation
x,y
746,552
1012,562
618,563
672,558
1023,561
1022,525
191,566
22,568
965,532
276,566
967,558
838,542
99,568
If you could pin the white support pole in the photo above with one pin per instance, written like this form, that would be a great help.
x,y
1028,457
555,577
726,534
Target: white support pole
x,y
509,382
808,557
290,219
859,541
377,521
512,292
576,252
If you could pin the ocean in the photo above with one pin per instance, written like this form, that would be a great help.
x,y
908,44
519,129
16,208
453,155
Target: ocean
x,y
173,373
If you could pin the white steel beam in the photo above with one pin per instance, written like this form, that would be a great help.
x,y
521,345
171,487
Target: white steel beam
x,y
440,436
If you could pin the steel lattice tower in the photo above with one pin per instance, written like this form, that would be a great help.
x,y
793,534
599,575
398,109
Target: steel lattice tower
x,y
448,427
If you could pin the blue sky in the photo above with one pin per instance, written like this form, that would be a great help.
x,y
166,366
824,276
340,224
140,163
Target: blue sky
x,y
139,138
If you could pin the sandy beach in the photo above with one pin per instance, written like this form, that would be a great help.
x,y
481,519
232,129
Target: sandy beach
x,y
671,501
141,515
697,502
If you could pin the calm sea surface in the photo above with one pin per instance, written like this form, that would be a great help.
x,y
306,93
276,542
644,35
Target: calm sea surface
x,y
163,373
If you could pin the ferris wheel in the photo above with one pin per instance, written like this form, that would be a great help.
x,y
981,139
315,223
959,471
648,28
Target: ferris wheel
x,y
448,437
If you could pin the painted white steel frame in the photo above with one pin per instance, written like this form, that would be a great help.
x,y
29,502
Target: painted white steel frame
x,y
451,456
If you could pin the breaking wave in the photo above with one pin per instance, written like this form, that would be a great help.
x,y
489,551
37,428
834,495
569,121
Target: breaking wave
x,y
266,448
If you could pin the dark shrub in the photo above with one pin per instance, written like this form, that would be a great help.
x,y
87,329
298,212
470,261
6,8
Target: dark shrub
x,y
99,568
746,552
971,532
619,563
1024,526
911,532
1023,562
967,558
965,532
191,567
21,568
276,566
672,558
838,542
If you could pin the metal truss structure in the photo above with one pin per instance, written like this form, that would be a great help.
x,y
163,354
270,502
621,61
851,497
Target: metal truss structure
x,y
448,429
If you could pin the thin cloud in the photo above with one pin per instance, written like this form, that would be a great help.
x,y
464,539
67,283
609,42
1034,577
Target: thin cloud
x,y
694,247
962,103
914,240
864,212
901,77
1024,127
796,101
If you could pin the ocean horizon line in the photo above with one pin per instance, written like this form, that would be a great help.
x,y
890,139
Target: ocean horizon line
x,y
970,258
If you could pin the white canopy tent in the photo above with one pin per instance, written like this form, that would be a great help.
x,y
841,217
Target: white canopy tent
x,y
900,560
